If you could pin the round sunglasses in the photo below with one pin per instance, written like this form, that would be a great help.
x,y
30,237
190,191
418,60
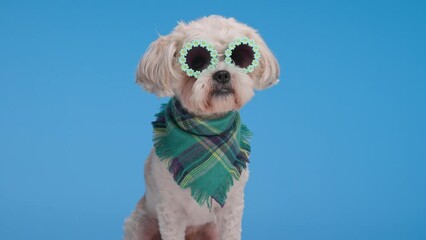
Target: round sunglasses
x,y
197,56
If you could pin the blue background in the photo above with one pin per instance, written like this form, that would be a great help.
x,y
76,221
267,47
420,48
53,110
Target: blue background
x,y
339,145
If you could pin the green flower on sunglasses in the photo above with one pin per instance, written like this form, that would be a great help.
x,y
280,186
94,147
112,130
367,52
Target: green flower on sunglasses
x,y
190,72
197,74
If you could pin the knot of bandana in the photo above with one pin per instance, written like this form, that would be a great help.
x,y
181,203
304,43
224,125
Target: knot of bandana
x,y
205,155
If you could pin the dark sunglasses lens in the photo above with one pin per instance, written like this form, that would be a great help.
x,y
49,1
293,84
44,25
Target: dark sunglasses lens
x,y
198,58
242,55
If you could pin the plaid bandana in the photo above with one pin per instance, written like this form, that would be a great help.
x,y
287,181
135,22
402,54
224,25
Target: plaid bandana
x,y
203,155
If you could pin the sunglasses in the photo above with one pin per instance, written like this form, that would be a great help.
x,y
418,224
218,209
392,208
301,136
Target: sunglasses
x,y
199,55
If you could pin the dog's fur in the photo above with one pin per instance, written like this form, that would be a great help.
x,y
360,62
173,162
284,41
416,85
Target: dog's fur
x,y
166,211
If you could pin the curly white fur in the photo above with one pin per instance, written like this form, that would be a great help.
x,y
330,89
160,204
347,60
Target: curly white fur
x,y
166,211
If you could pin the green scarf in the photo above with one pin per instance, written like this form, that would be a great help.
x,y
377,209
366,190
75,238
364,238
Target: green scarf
x,y
203,155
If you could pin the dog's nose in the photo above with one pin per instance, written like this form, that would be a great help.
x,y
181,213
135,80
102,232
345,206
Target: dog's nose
x,y
222,76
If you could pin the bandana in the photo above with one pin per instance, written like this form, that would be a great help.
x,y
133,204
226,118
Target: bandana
x,y
203,155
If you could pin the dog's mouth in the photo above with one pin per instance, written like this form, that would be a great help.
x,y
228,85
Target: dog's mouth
x,y
224,91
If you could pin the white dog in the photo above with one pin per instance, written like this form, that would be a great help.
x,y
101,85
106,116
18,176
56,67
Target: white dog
x,y
210,68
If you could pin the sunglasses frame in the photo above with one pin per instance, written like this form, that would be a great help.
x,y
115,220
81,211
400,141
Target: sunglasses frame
x,y
197,43
214,55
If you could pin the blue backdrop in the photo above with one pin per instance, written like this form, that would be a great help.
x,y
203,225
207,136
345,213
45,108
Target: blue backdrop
x,y
339,145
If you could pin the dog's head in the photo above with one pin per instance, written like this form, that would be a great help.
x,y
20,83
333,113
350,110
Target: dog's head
x,y
211,65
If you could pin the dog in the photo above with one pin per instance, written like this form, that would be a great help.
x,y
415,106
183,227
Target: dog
x,y
210,67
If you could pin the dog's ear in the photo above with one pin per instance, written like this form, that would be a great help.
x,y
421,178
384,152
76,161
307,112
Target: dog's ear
x,y
156,66
268,70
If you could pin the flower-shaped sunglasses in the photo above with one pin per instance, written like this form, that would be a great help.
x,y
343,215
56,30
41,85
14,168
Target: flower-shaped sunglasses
x,y
199,55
